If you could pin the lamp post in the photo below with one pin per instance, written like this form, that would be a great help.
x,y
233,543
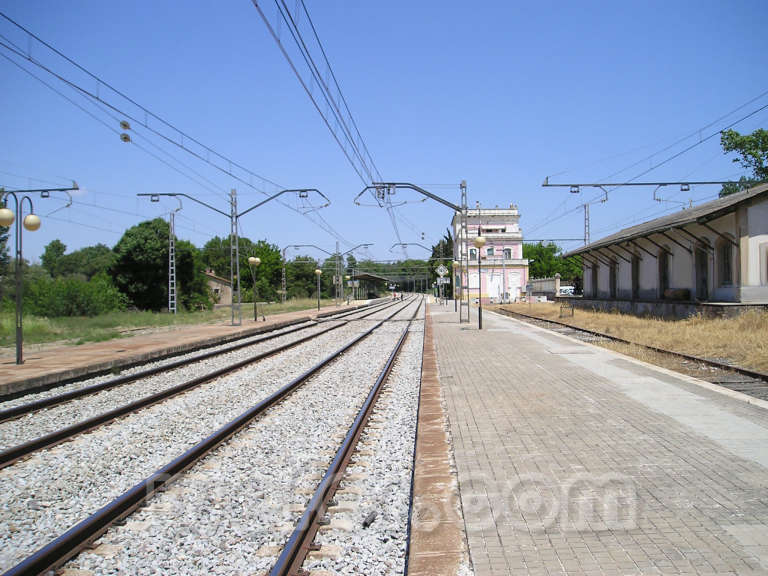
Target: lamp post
x,y
253,263
479,243
31,222
318,273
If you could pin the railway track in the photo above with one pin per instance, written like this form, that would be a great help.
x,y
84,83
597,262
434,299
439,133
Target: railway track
x,y
344,360
93,412
302,540
18,404
735,378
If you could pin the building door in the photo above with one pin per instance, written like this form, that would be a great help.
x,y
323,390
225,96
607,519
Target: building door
x,y
702,277
494,286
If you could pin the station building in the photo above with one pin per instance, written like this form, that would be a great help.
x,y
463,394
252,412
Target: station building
x,y
503,272
712,258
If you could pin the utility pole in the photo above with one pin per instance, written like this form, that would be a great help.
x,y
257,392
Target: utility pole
x,y
234,216
234,258
586,224
337,278
463,254
172,260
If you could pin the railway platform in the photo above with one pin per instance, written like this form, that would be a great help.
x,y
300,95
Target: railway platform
x,y
54,363
573,459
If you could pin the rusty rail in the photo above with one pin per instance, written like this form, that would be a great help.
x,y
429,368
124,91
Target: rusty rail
x,y
76,538
300,542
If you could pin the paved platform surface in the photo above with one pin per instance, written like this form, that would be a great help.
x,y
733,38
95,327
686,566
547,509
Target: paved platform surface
x,y
576,460
49,364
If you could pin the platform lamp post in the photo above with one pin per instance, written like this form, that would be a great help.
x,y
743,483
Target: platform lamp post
x,y
479,243
31,222
318,273
253,263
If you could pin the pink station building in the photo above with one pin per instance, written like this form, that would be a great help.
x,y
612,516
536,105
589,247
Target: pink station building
x,y
503,272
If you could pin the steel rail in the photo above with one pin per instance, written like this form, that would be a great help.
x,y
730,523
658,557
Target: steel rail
x,y
299,544
14,453
61,549
714,363
21,410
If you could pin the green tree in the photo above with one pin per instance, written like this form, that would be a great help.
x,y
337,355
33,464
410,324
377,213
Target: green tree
x,y
88,261
300,277
216,256
443,249
752,151
548,261
5,260
140,268
52,255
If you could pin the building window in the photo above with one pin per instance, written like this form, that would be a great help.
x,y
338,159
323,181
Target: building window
x,y
473,253
612,279
725,262
489,251
507,253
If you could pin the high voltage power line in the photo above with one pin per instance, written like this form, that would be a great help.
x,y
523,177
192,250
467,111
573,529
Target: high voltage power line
x,y
204,153
599,198
336,116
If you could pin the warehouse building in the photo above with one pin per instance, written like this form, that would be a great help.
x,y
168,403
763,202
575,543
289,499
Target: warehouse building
x,y
712,258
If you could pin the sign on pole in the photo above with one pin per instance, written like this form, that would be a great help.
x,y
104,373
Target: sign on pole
x,y
441,271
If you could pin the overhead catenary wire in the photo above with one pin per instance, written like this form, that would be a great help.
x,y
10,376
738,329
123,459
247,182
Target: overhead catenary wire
x,y
598,198
359,158
183,136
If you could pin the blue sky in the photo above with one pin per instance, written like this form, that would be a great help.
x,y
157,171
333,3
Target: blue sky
x,y
499,94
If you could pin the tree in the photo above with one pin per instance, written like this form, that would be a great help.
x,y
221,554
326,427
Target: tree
x,y
752,150
547,261
300,277
5,259
88,262
51,257
442,253
140,268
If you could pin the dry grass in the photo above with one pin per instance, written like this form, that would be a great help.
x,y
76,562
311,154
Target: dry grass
x,y
742,340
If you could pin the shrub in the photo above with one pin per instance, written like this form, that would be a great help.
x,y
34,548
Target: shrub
x,y
73,296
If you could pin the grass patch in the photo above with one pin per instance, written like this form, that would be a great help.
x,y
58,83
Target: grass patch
x,y
742,340
80,330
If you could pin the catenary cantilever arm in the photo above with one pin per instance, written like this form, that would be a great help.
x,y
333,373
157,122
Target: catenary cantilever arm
x,y
408,185
244,212
187,196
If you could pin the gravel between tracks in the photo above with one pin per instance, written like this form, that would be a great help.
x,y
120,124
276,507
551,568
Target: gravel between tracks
x,y
57,390
47,420
231,512
46,494
378,480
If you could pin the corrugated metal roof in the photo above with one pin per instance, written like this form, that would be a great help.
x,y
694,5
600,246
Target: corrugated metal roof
x,y
701,213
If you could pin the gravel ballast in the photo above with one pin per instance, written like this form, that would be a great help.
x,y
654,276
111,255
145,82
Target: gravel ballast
x,y
43,496
378,480
231,513
85,382
47,420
